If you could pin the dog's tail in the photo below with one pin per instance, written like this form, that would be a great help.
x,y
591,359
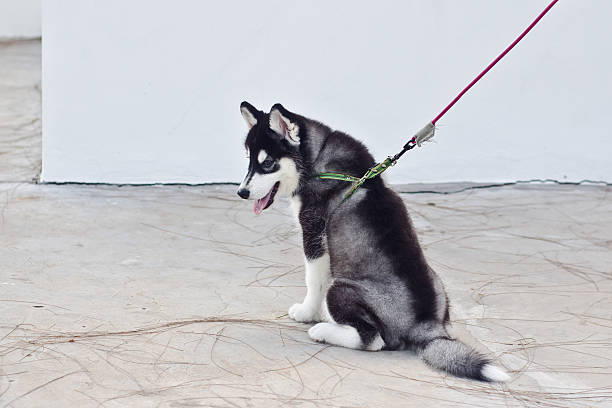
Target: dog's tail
x,y
456,358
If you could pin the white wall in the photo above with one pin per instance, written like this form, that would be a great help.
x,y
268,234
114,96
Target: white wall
x,y
149,91
20,19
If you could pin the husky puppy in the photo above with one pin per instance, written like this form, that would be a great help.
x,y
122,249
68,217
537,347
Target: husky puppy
x,y
368,283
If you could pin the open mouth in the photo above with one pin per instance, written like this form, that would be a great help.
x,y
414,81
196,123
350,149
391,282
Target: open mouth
x,y
266,201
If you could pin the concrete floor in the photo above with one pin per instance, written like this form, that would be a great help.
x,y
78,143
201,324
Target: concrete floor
x,y
171,296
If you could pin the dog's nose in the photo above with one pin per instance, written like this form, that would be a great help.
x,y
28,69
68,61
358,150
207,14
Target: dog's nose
x,y
243,193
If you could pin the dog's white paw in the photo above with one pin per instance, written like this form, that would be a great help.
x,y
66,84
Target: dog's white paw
x,y
336,334
303,313
319,331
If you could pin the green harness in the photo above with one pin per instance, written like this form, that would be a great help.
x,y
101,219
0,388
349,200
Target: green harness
x,y
422,136
371,173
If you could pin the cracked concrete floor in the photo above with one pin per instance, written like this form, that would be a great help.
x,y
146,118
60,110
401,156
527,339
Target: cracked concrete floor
x,y
173,296
176,296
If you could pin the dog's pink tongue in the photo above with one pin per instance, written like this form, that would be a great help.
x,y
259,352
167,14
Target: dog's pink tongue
x,y
261,203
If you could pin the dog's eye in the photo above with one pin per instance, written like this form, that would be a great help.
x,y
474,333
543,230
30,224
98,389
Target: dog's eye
x,y
267,164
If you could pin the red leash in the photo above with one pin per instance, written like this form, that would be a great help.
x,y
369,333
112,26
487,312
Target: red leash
x,y
495,61
427,132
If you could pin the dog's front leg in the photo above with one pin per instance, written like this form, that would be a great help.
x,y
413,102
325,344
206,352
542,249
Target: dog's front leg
x,y
317,269
317,283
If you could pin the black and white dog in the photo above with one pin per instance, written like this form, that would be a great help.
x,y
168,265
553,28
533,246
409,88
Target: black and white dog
x,y
368,283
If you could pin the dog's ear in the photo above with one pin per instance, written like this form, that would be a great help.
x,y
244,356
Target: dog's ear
x,y
284,124
250,114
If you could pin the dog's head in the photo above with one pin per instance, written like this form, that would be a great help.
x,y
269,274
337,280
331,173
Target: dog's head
x,y
273,148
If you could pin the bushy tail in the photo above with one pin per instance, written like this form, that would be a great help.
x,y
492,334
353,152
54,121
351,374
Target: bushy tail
x,y
458,359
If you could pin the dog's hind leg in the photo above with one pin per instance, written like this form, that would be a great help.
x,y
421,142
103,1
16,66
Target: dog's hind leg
x,y
352,324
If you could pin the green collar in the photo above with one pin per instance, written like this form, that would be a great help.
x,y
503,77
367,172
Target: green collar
x,y
371,173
